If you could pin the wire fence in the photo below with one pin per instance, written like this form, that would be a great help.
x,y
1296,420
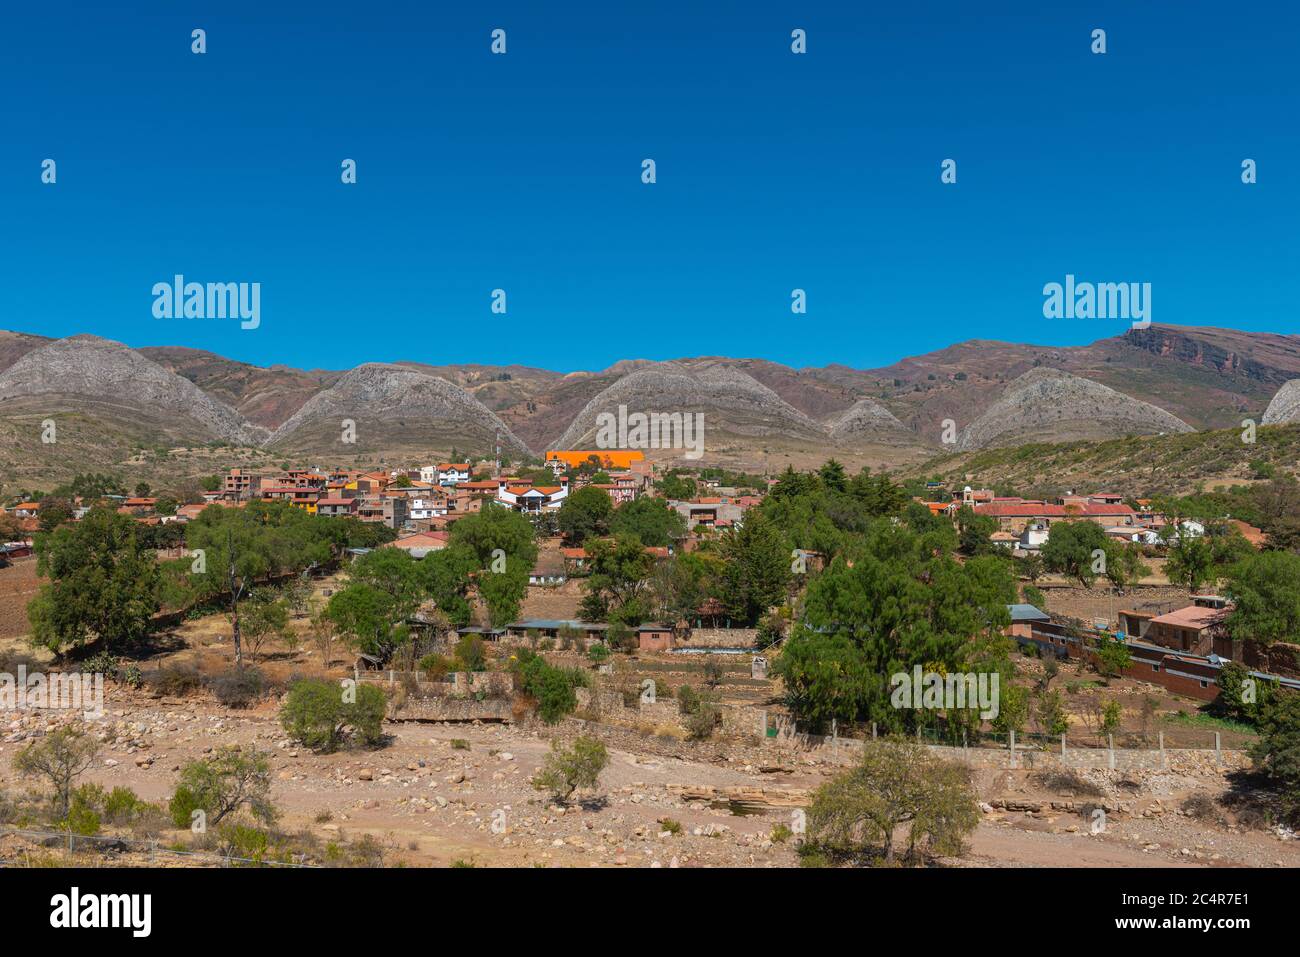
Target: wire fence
x,y
72,842
1164,737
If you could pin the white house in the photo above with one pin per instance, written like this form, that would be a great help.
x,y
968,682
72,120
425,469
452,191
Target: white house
x,y
420,508
451,473
1034,537
533,499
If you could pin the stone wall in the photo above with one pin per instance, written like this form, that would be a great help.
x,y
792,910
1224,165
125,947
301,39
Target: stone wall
x,y
719,638
450,709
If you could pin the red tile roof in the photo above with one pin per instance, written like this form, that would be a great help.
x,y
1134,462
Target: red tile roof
x,y
1030,510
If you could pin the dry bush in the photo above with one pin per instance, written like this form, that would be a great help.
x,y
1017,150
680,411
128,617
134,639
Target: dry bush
x,y
1202,807
1066,781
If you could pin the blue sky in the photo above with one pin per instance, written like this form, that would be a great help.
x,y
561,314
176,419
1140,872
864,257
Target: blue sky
x,y
522,172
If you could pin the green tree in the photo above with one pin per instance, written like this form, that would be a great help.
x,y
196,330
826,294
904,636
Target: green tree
x,y
366,615
677,487
1013,709
833,476
496,547
757,571
53,513
1111,715
221,784
898,783
901,602
1266,590
1112,657
585,514
1277,753
60,757
1242,697
242,547
102,584
1078,550
265,615
649,520
1050,714
974,531
567,769
618,581
1190,562
318,713
1124,565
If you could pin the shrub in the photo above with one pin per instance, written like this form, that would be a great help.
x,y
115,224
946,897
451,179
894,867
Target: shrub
x,y
225,782
553,688
316,714
243,841
100,663
781,834
669,825
471,654
175,680
82,819
182,806
122,806
1066,781
60,757
459,744
567,769
238,687
435,667
703,720
598,653
1201,807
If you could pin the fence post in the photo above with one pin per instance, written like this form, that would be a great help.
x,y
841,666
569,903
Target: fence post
x,y
1218,749
762,724
1062,749
1013,748
965,745
1110,740
1162,749
873,731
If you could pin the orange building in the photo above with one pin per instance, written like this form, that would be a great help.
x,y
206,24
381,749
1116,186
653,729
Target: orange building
x,y
608,458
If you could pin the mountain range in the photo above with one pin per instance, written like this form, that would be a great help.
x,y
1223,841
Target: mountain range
x,y
976,394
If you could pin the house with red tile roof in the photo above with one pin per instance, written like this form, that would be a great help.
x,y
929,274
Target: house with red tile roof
x,y
420,544
1016,515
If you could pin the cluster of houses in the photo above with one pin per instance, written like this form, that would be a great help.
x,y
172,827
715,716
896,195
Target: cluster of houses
x,y
1181,649
420,503
1025,525
430,497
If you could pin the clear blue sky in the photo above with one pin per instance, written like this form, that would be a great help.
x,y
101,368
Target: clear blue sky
x,y
522,171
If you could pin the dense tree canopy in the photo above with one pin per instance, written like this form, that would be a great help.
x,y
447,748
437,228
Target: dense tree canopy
x,y
103,584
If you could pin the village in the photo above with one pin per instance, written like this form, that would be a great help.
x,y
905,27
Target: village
x,y
675,619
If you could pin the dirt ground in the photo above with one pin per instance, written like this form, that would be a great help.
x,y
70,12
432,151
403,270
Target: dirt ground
x,y
18,586
434,803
